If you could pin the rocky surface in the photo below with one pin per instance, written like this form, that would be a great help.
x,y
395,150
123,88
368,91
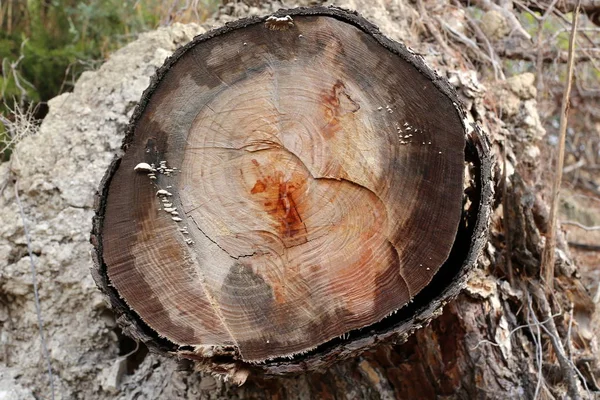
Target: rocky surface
x,y
57,172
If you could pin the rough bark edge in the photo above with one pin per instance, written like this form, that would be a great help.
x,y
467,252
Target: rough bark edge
x,y
427,305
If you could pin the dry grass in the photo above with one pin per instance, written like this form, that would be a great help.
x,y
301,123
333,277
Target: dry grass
x,y
21,125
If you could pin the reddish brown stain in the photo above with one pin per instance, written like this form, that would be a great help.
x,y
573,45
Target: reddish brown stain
x,y
281,202
336,103
259,187
287,212
278,292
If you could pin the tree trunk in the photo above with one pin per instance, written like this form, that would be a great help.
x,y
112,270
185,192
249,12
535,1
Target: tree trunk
x,y
252,163
277,199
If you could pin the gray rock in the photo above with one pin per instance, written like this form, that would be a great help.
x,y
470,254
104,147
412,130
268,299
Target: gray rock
x,y
58,170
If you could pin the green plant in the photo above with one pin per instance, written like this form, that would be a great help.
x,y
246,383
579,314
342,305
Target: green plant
x,y
46,44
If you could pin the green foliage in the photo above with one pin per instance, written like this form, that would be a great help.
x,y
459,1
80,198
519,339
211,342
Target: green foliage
x,y
5,155
62,36
46,44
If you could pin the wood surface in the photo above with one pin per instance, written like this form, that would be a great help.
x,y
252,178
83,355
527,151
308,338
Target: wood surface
x,y
306,198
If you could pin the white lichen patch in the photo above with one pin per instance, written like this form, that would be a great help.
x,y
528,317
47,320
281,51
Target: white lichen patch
x,y
481,286
406,132
163,192
163,169
279,23
143,167
153,170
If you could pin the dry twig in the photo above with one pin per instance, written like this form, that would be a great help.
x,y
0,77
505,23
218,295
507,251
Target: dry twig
x,y
547,267
479,53
495,60
11,69
569,343
566,365
584,227
537,340
515,330
23,125
573,167
432,28
585,246
509,267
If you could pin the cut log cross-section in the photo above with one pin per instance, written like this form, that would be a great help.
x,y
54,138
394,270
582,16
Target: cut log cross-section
x,y
286,182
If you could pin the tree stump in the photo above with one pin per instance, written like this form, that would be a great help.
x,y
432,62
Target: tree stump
x,y
294,189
